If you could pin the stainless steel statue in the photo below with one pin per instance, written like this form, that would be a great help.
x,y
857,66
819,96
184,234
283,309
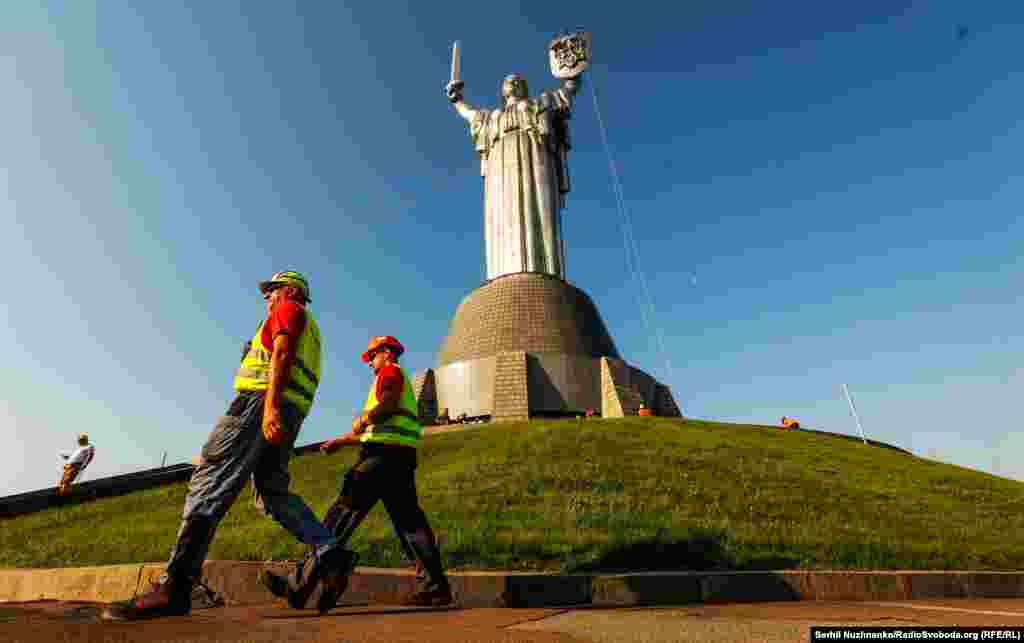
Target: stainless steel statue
x,y
524,150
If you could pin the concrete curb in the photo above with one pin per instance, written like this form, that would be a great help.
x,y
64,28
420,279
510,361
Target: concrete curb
x,y
237,582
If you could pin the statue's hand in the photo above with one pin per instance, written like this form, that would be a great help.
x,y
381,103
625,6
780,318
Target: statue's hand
x,y
454,91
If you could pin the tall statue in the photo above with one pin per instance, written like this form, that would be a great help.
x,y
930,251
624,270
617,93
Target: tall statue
x,y
523,149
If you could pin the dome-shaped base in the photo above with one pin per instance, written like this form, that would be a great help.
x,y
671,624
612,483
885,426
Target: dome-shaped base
x,y
527,311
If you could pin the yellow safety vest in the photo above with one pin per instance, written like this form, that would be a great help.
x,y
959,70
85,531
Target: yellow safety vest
x,y
398,429
304,376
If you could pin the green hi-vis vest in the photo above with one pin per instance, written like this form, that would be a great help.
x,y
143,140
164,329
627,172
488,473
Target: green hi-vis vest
x,y
402,428
304,376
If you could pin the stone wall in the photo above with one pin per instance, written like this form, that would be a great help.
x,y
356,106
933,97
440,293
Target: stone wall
x,y
665,403
511,398
624,388
426,396
613,388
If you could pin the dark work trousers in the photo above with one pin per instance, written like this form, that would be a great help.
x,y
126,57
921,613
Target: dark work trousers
x,y
388,473
236,450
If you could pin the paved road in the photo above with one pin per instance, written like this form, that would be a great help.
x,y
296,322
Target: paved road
x,y
769,622
46,621
52,621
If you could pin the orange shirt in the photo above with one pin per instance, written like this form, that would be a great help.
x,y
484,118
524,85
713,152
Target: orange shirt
x,y
393,375
288,318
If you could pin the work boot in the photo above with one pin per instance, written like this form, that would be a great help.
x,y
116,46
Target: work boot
x,y
278,585
428,598
289,587
335,582
429,568
168,598
333,567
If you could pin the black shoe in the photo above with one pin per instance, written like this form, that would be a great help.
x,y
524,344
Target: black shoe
x,y
299,585
203,597
163,599
290,587
335,581
278,585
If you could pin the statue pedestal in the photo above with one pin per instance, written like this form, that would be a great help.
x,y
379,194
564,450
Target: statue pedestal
x,y
532,345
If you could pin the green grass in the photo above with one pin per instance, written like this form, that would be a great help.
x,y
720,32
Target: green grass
x,y
635,493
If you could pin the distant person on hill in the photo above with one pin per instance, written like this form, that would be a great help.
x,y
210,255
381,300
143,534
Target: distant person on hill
x,y
389,433
77,461
275,384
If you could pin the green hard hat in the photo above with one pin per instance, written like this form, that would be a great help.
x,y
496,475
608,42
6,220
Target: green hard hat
x,y
286,278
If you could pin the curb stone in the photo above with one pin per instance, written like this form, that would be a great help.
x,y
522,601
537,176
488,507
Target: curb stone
x,y
237,582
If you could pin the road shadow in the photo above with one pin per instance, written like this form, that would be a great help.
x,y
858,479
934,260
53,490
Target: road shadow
x,y
698,552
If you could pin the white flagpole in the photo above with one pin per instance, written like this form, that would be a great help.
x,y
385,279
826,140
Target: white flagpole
x,y
853,410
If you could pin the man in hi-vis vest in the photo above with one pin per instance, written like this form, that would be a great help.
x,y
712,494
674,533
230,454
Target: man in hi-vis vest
x,y
389,433
275,386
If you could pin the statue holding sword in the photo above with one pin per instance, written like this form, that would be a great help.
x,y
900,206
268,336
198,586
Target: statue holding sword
x,y
523,149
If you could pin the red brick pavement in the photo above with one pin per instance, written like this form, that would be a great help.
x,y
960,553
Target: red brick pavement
x,y
55,621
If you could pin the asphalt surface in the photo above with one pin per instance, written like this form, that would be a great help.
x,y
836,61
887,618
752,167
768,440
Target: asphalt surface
x,y
748,622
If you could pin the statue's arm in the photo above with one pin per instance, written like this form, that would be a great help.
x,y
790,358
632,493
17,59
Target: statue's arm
x,y
465,111
562,99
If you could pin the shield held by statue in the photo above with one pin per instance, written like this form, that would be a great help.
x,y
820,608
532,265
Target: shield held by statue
x,y
570,55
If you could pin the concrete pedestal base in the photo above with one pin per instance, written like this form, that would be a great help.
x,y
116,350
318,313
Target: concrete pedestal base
x,y
519,385
528,345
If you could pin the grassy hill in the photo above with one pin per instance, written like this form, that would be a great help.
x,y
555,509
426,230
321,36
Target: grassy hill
x,y
634,493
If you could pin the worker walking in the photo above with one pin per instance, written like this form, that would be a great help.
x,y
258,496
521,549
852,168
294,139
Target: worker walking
x,y
76,464
388,432
275,386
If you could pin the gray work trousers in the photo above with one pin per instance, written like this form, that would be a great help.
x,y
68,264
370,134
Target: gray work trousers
x,y
235,451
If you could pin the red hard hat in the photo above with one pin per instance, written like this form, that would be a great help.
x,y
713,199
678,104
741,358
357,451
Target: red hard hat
x,y
382,341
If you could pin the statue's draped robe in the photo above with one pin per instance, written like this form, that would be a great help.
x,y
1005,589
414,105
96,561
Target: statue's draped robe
x,y
523,152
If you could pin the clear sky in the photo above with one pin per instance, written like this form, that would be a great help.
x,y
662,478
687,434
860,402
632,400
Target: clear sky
x,y
820,193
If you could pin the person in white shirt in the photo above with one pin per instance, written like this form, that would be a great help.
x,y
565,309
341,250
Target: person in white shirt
x,y
76,464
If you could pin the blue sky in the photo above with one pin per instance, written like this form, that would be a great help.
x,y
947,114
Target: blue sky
x,y
820,192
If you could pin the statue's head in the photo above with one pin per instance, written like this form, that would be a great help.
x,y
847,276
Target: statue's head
x,y
514,85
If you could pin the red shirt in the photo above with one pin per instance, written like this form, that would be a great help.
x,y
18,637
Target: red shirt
x,y
393,375
288,318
